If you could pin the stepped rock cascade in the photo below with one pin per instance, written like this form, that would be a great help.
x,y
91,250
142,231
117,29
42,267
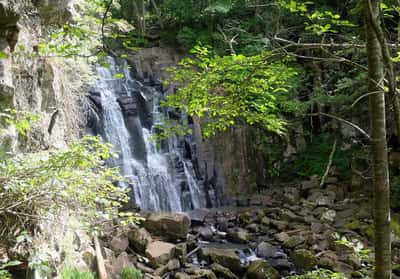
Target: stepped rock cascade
x,y
128,114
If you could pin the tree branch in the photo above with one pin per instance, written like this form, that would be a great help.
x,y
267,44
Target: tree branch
x,y
351,124
103,23
365,95
328,167
328,45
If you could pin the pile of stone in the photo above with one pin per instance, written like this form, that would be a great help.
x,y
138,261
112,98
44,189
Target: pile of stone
x,y
285,231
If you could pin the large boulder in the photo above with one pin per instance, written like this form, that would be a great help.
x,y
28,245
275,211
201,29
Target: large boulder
x,y
322,198
238,235
119,243
262,270
313,183
203,273
206,233
159,253
266,250
282,236
198,216
224,257
182,275
329,215
173,264
139,238
304,259
223,272
171,226
294,241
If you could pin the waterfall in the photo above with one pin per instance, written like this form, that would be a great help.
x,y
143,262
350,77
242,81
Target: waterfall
x,y
160,179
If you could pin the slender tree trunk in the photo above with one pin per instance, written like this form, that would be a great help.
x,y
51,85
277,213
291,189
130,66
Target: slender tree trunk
x,y
387,60
143,13
378,145
317,87
139,11
158,12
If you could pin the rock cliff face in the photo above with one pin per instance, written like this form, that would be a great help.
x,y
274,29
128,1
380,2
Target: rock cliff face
x,y
47,87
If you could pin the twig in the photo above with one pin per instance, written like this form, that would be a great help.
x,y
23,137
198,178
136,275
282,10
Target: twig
x,y
328,167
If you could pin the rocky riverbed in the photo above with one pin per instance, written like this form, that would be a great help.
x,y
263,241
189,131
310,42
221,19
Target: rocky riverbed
x,y
285,231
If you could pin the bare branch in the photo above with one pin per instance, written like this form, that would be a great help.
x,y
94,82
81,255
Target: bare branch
x,y
365,95
328,45
230,42
351,124
103,22
328,167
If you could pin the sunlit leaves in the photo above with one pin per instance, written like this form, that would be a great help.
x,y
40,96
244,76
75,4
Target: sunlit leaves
x,y
21,120
230,90
3,55
320,274
119,76
318,21
45,183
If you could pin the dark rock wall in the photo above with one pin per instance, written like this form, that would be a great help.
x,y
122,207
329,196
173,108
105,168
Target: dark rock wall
x,y
229,164
47,87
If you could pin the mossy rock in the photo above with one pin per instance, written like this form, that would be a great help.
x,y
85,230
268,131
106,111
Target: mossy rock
x,y
224,257
354,225
304,259
357,274
262,270
205,273
293,241
222,272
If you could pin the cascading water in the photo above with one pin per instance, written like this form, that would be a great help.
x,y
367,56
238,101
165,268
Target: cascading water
x,y
161,180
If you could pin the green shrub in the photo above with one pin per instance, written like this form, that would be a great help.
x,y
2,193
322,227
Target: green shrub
x,y
314,158
4,274
44,183
74,273
131,273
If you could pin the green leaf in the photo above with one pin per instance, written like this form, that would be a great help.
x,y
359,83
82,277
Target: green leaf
x,y
119,75
3,55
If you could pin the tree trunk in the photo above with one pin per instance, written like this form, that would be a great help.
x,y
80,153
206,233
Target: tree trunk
x,y
139,12
378,145
316,107
390,74
158,12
